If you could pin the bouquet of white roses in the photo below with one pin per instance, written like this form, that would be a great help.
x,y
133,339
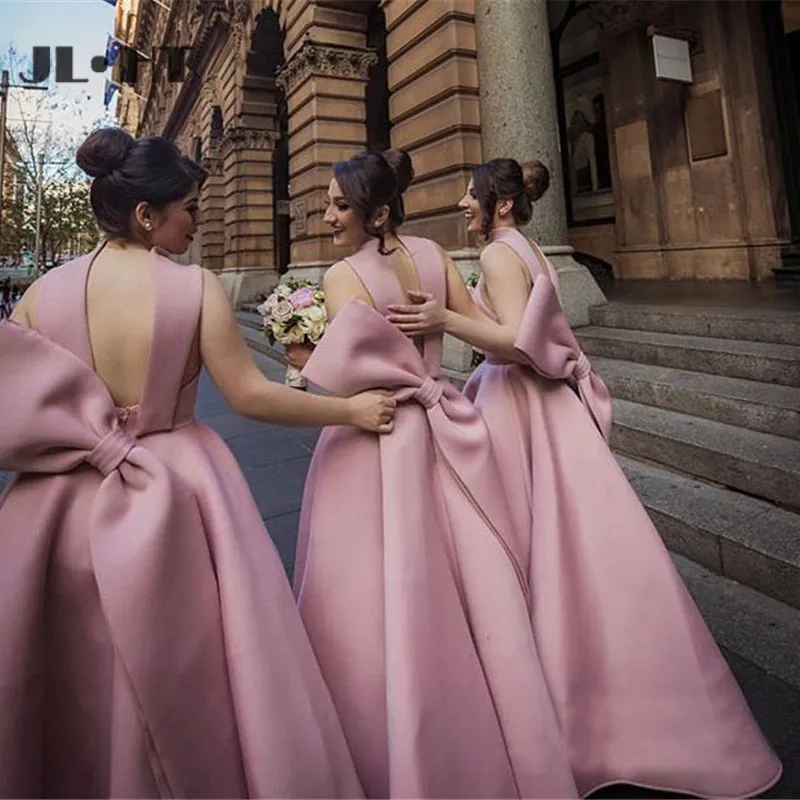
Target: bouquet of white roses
x,y
294,314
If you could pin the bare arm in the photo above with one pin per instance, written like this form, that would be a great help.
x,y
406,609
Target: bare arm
x,y
228,360
24,311
508,293
341,284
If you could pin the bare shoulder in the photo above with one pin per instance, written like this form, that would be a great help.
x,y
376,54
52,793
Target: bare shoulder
x,y
443,254
499,262
216,304
340,271
495,256
341,283
341,277
213,288
25,310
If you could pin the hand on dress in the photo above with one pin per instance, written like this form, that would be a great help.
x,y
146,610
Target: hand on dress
x,y
425,315
298,354
373,411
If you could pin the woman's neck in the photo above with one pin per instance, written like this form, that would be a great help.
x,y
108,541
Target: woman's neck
x,y
392,241
125,244
502,228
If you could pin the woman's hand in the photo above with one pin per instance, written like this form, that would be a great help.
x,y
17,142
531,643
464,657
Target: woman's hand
x,y
373,411
298,354
426,315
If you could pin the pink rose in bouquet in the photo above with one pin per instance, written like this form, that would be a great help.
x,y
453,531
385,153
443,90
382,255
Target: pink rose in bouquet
x,y
302,297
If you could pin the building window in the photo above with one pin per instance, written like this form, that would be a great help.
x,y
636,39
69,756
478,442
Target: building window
x,y
216,125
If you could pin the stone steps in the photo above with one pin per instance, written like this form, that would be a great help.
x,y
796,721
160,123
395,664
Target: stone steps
x,y
756,361
255,339
778,325
248,316
755,463
739,537
768,408
707,429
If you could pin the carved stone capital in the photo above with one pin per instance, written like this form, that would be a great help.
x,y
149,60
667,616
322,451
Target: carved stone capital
x,y
238,13
212,164
238,138
211,93
618,16
205,15
322,59
199,7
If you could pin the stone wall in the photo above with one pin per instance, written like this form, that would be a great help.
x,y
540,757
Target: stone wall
x,y
697,184
434,109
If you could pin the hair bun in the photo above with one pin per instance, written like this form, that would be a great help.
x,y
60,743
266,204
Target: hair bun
x,y
104,151
401,165
535,179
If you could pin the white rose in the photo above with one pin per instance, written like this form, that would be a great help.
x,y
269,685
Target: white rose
x,y
282,290
283,311
271,302
316,331
314,313
294,335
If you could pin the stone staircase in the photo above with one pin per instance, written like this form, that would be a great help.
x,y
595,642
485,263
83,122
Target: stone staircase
x,y
707,429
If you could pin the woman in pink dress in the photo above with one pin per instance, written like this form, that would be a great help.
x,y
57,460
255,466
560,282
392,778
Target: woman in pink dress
x,y
407,577
150,645
643,695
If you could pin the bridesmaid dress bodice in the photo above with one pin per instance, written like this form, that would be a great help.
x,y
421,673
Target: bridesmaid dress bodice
x,y
167,402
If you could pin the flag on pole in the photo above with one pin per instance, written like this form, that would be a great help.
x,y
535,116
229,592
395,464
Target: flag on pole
x,y
108,94
113,46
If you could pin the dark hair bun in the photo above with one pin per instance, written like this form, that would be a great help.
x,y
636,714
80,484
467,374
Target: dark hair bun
x,y
104,151
401,165
535,179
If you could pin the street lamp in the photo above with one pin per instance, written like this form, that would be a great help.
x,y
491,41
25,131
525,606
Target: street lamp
x,y
4,87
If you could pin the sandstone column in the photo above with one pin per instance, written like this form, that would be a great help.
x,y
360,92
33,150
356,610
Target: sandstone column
x,y
248,207
325,87
212,214
519,120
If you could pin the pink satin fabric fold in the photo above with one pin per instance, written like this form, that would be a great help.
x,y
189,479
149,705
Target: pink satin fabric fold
x,y
546,342
141,546
96,512
409,582
642,693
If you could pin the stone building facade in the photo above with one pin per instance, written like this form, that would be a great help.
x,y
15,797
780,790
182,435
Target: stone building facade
x,y
651,179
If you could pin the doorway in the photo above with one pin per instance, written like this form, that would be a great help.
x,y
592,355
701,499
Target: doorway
x,y
782,31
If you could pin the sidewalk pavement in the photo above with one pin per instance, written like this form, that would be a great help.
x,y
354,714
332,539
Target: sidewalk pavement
x,y
273,459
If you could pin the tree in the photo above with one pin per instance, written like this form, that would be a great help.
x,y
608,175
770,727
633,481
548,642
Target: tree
x,y
52,124
67,219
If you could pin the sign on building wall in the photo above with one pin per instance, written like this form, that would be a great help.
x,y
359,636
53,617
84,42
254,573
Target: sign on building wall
x,y
672,59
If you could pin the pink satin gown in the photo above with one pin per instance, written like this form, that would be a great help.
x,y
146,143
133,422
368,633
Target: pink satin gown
x,y
407,578
150,645
642,693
